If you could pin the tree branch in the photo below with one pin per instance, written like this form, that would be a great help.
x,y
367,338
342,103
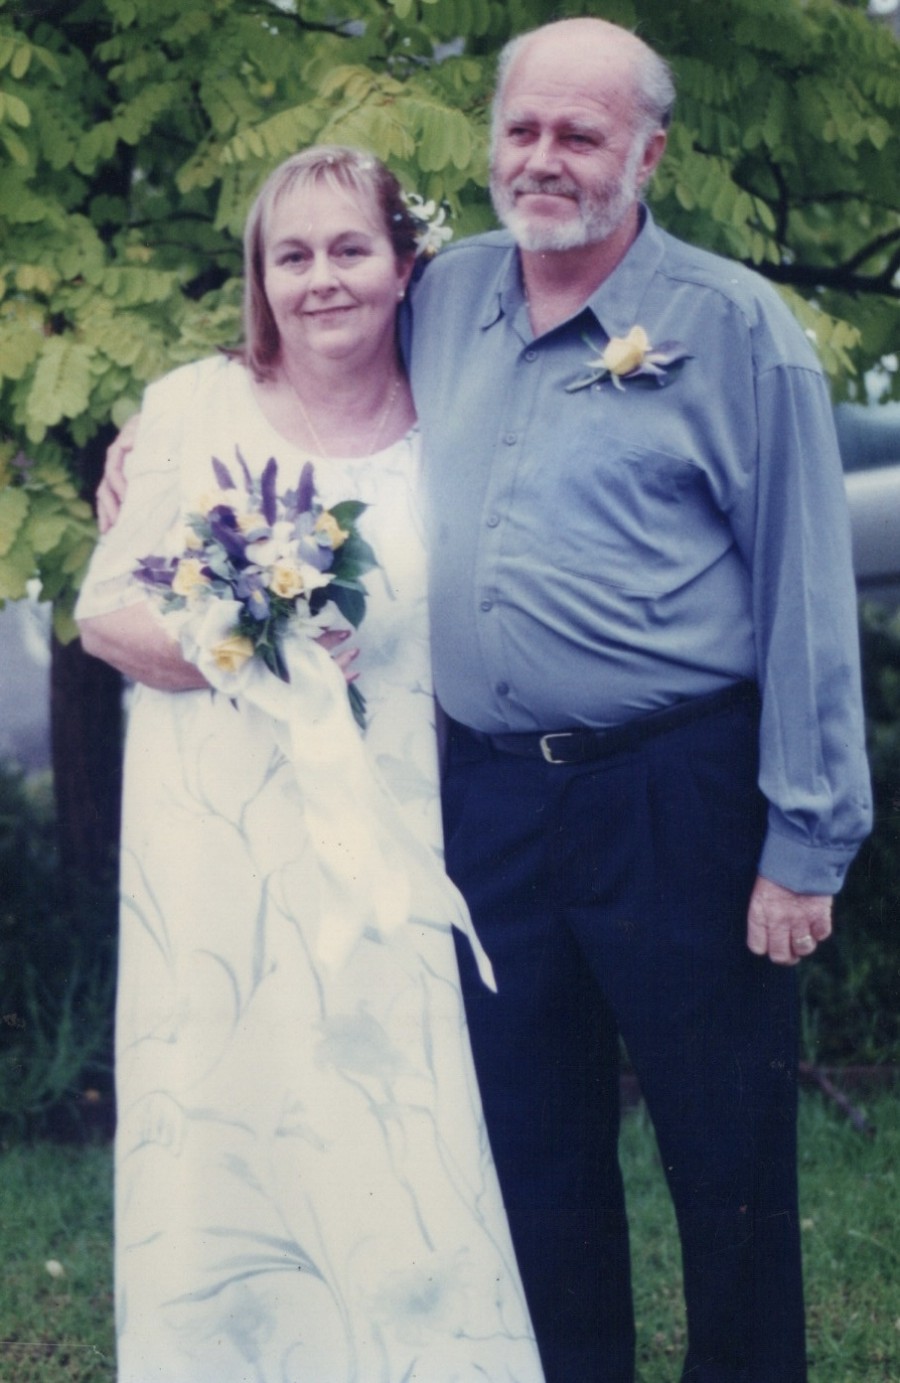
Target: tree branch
x,y
881,242
834,276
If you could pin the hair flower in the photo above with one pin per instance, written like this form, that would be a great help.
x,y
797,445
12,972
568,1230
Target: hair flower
x,y
632,357
430,219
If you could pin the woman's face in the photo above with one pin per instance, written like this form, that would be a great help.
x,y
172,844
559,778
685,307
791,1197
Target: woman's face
x,y
331,276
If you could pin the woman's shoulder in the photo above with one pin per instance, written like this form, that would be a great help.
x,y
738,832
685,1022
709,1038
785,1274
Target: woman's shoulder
x,y
184,383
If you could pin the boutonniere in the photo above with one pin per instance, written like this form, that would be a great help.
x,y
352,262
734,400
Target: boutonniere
x,y
632,357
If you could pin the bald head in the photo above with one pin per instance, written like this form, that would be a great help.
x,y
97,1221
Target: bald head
x,y
579,127
594,50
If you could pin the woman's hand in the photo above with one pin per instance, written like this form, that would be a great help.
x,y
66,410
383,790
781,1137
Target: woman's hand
x,y
111,490
332,641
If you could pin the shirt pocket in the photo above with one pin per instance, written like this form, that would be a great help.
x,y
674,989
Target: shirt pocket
x,y
642,520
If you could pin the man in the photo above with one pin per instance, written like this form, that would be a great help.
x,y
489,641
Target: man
x,y
665,573
644,629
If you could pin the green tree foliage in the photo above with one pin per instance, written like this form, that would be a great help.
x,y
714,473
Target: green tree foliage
x,y
133,132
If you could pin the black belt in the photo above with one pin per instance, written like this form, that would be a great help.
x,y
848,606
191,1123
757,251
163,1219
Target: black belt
x,y
582,745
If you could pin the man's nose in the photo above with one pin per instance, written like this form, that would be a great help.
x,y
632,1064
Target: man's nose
x,y
543,155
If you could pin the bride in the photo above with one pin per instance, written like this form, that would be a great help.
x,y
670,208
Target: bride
x,y
304,1186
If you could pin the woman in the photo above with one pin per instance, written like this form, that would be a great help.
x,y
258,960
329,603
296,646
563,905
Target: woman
x,y
304,1189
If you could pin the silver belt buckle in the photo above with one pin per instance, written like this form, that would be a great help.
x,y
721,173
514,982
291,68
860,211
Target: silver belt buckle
x,y
546,748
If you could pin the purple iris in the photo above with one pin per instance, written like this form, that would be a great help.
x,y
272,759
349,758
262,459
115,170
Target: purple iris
x,y
156,571
223,526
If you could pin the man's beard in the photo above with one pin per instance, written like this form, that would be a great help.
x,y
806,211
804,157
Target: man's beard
x,y
600,211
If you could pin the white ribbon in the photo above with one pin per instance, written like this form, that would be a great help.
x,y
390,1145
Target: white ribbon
x,y
377,873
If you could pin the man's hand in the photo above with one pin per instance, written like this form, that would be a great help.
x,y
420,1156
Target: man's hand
x,y
786,926
111,490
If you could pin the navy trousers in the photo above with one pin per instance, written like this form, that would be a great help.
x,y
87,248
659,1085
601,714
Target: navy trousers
x,y
612,899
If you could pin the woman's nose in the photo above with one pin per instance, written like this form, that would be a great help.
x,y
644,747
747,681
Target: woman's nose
x,y
322,276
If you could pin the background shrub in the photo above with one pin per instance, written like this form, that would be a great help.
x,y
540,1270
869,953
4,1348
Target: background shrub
x,y
852,986
57,947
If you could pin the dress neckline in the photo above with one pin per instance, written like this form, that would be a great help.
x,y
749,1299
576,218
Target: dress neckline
x,y
307,453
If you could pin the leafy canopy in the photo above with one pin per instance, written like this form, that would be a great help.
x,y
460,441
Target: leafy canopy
x,y
133,133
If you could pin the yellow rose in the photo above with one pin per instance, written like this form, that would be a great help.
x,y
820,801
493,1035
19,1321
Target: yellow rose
x,y
326,523
232,653
188,576
192,541
286,580
626,353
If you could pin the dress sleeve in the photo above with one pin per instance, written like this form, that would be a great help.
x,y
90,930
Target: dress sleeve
x,y
793,529
152,499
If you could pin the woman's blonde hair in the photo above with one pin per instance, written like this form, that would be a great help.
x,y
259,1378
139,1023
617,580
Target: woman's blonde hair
x,y
332,166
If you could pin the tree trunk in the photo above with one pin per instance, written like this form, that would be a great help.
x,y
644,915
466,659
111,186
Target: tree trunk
x,y
86,726
86,731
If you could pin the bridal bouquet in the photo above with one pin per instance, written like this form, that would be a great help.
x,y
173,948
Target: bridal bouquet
x,y
254,568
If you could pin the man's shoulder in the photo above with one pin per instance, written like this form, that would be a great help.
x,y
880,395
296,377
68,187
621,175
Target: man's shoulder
x,y
744,288
474,254
745,295
489,244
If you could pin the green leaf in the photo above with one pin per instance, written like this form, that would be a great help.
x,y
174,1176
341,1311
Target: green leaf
x,y
350,600
13,513
16,570
14,109
62,382
21,61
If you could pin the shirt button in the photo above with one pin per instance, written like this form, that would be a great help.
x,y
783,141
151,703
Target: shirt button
x,y
487,605
511,438
503,689
493,520
531,355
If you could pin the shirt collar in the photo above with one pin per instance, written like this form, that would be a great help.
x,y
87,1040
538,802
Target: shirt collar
x,y
615,304
506,295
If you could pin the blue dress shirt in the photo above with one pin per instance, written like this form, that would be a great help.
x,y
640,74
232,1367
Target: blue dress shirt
x,y
603,553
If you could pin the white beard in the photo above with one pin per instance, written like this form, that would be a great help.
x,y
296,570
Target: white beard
x,y
599,213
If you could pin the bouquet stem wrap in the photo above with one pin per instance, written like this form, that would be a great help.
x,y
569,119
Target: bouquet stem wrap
x,y
378,876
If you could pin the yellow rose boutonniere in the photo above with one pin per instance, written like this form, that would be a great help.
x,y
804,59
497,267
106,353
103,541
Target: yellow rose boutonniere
x,y
632,357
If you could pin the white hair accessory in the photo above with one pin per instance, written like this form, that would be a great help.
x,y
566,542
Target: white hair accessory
x,y
430,219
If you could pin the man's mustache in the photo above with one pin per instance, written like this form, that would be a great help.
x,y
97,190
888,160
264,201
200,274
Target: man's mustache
x,y
549,186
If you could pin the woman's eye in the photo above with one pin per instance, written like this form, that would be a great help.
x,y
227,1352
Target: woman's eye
x,y
351,252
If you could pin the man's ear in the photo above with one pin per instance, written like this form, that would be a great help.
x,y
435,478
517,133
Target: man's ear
x,y
653,152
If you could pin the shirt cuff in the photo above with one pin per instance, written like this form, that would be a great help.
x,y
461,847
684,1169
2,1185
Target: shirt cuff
x,y
802,867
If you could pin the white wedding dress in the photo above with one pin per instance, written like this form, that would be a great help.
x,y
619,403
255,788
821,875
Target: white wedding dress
x,y
304,1187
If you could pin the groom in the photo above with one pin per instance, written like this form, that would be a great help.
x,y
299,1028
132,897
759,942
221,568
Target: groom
x,y
645,637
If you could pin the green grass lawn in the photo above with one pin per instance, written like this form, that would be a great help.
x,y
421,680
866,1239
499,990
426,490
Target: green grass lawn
x,y
850,1215
55,1207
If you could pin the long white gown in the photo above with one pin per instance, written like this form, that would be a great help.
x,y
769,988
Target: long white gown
x,y
304,1186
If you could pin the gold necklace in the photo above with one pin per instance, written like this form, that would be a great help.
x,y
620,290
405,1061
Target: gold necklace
x,y
376,437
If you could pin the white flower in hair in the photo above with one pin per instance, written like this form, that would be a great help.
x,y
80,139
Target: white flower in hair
x,y
431,220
